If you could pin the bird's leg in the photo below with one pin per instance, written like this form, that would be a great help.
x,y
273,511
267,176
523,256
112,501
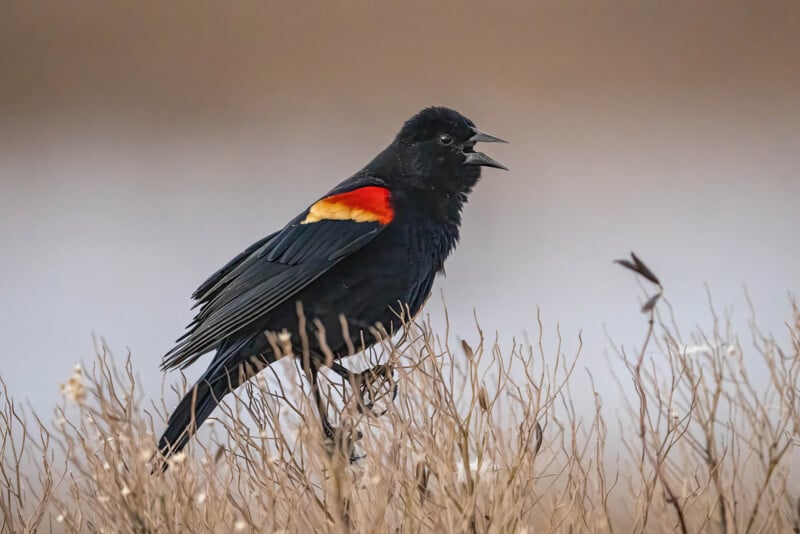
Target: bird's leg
x,y
311,367
366,381
327,428
335,438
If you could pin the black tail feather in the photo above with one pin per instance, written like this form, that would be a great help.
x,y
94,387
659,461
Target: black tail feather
x,y
195,407
226,372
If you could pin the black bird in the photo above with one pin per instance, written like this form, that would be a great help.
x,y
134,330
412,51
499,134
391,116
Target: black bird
x,y
367,250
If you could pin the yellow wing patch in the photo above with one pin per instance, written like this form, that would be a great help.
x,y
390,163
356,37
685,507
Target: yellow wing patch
x,y
366,204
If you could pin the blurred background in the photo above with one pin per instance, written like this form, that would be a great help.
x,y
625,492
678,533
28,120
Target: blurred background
x,y
143,144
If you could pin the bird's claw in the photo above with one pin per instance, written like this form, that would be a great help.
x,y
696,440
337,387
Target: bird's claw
x,y
370,382
338,439
369,385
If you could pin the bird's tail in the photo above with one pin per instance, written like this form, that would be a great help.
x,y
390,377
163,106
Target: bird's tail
x,y
191,412
227,371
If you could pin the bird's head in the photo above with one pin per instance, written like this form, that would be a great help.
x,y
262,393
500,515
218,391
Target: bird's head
x,y
436,150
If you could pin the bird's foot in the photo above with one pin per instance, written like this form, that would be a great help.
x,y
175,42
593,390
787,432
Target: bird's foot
x,y
341,440
375,384
372,386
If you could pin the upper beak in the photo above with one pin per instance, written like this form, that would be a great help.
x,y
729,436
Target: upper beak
x,y
483,137
479,158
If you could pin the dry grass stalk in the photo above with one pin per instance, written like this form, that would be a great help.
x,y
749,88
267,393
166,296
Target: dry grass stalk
x,y
479,439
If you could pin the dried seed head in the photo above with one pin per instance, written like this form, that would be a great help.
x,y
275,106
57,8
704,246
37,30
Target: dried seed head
x,y
176,459
651,303
285,339
483,399
73,388
467,349
422,476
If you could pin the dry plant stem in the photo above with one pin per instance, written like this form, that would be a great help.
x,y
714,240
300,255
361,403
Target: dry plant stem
x,y
486,436
656,461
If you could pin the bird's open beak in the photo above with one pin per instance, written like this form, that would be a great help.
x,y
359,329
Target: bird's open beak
x,y
479,158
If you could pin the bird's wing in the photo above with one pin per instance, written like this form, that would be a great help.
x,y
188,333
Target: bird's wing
x,y
278,267
205,292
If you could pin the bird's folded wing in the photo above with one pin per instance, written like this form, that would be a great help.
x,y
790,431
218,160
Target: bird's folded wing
x,y
204,292
275,269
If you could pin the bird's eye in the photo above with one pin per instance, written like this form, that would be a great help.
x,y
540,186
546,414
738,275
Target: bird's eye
x,y
445,139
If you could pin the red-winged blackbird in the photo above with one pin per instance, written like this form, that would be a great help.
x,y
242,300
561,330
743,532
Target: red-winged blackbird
x,y
365,251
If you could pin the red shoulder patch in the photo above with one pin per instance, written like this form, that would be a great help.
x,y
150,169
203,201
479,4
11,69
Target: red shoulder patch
x,y
365,204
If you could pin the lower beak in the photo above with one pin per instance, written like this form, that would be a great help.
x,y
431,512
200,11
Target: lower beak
x,y
479,158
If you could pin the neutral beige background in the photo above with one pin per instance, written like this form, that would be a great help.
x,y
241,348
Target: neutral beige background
x,y
144,143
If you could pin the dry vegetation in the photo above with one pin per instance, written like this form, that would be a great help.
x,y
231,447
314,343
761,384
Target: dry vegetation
x,y
477,440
